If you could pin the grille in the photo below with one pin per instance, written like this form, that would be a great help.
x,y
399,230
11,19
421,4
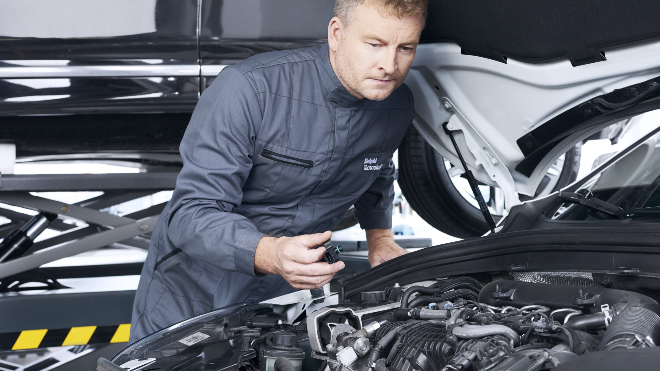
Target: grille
x,y
557,278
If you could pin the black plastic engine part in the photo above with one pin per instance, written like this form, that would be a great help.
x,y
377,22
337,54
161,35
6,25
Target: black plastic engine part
x,y
418,345
447,296
285,339
557,296
378,351
372,297
646,285
262,322
479,332
481,354
331,254
590,322
523,360
318,295
441,287
637,359
280,345
283,364
636,326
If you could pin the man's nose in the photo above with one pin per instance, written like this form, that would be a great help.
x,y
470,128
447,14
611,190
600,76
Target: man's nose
x,y
388,62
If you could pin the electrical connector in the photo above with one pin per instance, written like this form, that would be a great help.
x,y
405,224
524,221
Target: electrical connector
x,y
331,254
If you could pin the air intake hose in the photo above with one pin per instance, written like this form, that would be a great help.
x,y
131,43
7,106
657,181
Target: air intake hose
x,y
635,327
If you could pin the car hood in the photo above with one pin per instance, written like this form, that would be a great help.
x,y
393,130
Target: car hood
x,y
513,120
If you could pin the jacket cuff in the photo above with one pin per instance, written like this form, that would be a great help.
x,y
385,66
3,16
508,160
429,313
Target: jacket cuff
x,y
246,246
375,219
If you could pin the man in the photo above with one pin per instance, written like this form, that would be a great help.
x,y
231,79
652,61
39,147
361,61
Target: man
x,y
277,150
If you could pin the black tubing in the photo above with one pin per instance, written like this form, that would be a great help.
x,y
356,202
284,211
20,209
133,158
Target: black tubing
x,y
571,346
451,295
377,351
418,289
395,350
539,361
283,364
463,282
590,322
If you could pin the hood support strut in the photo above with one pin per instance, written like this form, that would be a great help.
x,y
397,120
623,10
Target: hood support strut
x,y
473,183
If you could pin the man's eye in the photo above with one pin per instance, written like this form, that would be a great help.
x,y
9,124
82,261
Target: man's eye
x,y
374,45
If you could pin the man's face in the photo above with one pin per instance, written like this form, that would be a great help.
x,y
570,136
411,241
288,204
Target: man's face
x,y
373,55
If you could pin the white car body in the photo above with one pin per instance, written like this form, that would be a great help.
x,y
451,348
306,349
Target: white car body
x,y
491,104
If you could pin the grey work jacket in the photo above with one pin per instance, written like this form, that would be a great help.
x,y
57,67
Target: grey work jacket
x,y
276,147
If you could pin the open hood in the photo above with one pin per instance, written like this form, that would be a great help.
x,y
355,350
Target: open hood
x,y
515,111
513,121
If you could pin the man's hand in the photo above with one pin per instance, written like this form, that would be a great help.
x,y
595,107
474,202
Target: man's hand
x,y
382,246
295,259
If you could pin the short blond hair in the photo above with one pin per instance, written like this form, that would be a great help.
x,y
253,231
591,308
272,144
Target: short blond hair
x,y
400,8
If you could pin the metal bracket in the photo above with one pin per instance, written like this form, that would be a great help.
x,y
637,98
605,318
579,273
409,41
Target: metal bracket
x,y
73,248
484,155
103,229
605,308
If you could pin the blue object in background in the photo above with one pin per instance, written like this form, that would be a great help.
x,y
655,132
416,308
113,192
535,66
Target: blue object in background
x,y
403,230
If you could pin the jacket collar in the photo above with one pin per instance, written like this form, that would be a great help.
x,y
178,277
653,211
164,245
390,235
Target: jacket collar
x,y
334,90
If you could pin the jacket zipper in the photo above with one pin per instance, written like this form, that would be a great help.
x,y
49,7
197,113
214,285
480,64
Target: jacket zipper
x,y
278,157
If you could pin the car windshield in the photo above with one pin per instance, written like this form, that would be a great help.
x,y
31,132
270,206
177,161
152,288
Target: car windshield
x,y
632,183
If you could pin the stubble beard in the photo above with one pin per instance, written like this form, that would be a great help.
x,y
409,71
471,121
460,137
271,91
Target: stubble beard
x,y
343,64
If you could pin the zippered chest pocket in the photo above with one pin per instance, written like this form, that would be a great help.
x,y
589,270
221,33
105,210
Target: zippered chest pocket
x,y
289,160
284,171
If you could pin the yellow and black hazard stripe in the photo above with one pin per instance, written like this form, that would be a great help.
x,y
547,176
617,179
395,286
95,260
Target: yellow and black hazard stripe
x,y
32,339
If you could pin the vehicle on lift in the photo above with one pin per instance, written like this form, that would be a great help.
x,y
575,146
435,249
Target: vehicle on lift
x,y
564,275
77,84
568,281
525,298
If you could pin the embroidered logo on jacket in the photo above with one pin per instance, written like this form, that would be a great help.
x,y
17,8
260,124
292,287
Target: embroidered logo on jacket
x,y
368,164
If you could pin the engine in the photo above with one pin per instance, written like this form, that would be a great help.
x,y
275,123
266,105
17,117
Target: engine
x,y
459,325
444,325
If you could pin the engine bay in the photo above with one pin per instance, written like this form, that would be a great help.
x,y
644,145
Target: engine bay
x,y
505,326
443,325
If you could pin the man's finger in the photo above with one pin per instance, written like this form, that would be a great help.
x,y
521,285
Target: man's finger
x,y
291,268
307,280
318,269
304,255
308,286
313,240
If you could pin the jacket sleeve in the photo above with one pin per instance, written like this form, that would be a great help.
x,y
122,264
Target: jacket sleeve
x,y
217,151
374,207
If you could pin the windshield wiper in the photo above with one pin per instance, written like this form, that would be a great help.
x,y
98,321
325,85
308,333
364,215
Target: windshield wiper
x,y
585,198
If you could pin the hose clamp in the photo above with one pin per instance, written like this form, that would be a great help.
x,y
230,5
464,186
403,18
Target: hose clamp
x,y
605,308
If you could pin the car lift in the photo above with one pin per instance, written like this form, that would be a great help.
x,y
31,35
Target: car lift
x,y
99,320
87,322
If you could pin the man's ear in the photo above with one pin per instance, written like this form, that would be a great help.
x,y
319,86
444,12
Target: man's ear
x,y
335,30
